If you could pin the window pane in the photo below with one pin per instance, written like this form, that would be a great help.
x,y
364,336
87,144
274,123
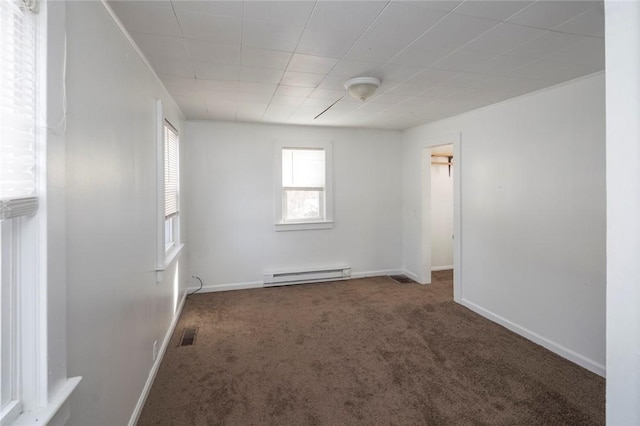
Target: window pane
x,y
168,233
303,167
303,205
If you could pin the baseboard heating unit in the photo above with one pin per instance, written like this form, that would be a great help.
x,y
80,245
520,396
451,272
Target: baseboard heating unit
x,y
301,276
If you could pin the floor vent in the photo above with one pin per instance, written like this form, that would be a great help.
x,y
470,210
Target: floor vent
x,y
402,279
188,337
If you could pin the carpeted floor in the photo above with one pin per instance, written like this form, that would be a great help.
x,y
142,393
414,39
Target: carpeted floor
x,y
361,352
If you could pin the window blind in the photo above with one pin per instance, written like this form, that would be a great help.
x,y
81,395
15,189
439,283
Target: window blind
x,y
170,170
17,109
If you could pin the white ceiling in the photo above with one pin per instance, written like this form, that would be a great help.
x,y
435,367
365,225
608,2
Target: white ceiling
x,y
285,61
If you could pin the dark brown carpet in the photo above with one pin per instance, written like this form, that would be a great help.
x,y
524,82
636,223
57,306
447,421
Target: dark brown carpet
x,y
361,352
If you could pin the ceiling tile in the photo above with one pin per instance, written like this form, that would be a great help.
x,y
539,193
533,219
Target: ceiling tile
x,y
310,63
444,5
334,26
279,11
453,32
161,47
256,88
155,18
218,7
317,103
416,56
549,14
206,51
468,80
260,75
221,110
278,113
554,72
169,66
287,100
194,106
397,72
499,65
348,69
193,87
250,111
431,77
270,35
209,71
405,89
301,79
405,23
333,82
498,10
271,59
588,51
590,23
203,26
462,59
387,99
372,105
545,45
301,92
331,95
504,37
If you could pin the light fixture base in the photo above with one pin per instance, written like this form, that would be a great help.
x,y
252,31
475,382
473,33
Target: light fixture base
x,y
362,87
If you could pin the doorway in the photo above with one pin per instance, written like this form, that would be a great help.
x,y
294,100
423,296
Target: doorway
x,y
428,257
441,208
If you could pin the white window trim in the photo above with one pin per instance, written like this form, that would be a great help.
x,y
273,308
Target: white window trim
x,y
164,256
40,400
327,222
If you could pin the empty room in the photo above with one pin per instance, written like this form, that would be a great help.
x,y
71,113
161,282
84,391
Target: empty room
x,y
319,212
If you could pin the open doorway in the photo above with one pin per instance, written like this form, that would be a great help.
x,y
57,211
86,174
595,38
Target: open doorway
x,y
451,234
441,208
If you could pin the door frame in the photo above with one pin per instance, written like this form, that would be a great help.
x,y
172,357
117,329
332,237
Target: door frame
x,y
424,274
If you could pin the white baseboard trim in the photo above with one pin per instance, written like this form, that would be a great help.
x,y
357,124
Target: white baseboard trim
x,y
226,287
258,284
566,353
379,273
410,275
442,268
135,416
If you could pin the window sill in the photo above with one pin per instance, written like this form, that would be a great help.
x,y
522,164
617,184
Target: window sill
x,y
170,256
43,415
303,226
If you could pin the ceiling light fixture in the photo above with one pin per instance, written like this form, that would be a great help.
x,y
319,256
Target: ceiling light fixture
x,y
362,87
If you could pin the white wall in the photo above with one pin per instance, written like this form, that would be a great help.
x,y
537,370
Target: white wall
x,y
231,207
623,211
441,216
115,308
532,213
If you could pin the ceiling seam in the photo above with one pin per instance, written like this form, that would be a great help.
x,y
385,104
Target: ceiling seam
x,y
315,5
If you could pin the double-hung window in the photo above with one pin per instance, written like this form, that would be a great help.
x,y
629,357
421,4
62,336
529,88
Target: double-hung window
x,y
303,180
171,186
168,185
18,201
303,186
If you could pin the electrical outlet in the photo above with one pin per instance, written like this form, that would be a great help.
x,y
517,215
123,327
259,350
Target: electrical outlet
x,y
155,350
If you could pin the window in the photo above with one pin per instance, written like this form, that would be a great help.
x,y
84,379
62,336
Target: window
x,y
18,202
171,177
303,196
303,187
168,195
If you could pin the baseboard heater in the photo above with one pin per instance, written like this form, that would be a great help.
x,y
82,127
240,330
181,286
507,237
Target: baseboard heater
x,y
301,276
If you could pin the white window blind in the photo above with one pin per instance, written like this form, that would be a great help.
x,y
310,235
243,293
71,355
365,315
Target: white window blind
x,y
17,109
170,170
303,184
